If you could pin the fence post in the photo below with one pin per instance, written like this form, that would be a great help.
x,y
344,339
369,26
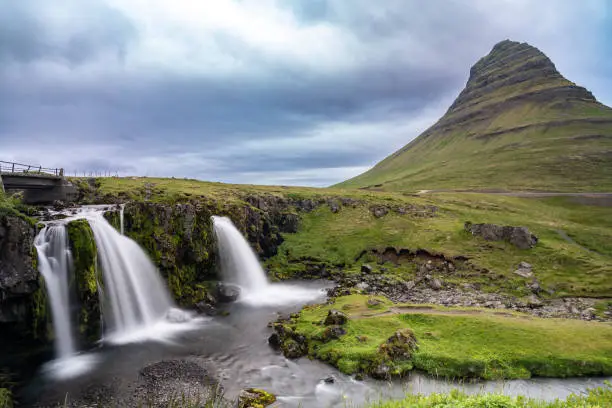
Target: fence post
x,y
61,172
13,170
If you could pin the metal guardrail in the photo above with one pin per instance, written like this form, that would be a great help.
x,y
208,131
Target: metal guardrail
x,y
24,169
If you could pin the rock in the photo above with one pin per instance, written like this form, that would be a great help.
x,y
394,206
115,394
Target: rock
x,y
332,333
363,286
274,341
359,377
524,265
206,309
524,273
373,302
524,270
381,371
436,284
409,285
18,276
255,398
379,211
227,292
329,380
520,237
534,302
399,346
365,268
335,317
334,206
293,349
588,314
289,223
535,287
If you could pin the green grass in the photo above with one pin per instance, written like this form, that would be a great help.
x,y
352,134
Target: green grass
x,y
460,343
582,267
594,398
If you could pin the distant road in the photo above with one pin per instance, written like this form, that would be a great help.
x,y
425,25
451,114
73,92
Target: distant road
x,y
589,198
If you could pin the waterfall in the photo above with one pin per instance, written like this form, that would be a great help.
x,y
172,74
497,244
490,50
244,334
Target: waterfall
x,y
136,294
121,211
136,305
239,264
55,265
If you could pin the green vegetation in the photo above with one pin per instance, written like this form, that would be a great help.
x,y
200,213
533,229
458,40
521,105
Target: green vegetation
x,y
595,398
85,259
523,134
455,342
579,267
6,398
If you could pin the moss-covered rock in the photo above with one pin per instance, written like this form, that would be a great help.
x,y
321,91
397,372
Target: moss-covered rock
x,y
255,398
6,398
86,278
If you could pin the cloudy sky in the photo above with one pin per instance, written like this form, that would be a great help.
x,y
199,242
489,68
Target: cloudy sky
x,y
294,92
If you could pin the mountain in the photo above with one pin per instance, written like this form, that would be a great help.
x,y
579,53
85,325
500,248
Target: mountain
x,y
518,124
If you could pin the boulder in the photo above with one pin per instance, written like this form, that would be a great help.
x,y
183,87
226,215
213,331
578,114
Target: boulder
x,y
365,268
332,333
379,211
274,341
363,286
373,302
255,398
335,318
227,292
436,284
520,237
293,349
381,371
524,270
399,346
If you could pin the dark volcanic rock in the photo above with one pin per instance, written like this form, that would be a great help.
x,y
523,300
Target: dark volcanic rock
x,y
227,292
18,276
335,317
520,237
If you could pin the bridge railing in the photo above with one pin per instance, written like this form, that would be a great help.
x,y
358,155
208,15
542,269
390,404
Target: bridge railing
x,y
20,168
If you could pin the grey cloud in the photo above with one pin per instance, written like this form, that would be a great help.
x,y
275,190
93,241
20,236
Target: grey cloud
x,y
418,53
26,35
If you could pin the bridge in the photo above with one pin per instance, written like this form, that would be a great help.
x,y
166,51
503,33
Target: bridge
x,y
38,184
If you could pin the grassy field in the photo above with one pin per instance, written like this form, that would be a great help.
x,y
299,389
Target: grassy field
x,y
458,342
596,398
578,266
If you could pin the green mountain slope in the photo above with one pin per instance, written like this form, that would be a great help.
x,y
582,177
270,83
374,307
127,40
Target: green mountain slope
x,y
518,125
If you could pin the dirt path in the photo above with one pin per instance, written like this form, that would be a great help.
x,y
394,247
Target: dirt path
x,y
587,198
433,311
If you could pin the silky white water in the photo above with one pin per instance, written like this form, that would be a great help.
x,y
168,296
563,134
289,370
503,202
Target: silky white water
x,y
240,266
136,304
121,215
55,264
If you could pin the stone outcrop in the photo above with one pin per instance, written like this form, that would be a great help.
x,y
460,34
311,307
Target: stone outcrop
x,y
520,237
18,275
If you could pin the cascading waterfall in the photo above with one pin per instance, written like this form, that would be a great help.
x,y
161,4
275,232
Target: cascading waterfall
x,y
55,265
136,295
240,266
239,263
121,212
136,304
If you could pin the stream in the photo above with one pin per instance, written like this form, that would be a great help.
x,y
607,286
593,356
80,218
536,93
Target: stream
x,y
233,350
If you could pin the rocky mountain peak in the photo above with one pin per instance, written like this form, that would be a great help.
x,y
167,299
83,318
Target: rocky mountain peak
x,y
514,70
